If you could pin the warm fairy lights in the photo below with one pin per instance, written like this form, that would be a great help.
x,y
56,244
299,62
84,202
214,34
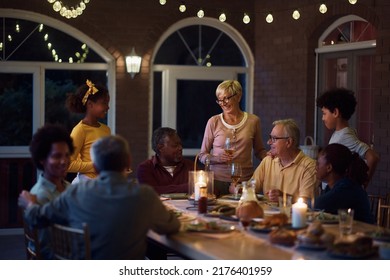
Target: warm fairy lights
x,y
79,55
67,12
184,6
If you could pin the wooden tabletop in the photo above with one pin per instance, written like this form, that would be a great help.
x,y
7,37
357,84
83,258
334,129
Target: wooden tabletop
x,y
239,244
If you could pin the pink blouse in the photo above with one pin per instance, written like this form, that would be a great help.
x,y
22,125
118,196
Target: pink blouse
x,y
248,137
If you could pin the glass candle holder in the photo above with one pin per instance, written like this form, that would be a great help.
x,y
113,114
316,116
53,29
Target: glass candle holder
x,y
197,180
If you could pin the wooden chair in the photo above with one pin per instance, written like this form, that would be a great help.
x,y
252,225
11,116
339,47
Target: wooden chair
x,y
70,243
383,215
374,204
31,242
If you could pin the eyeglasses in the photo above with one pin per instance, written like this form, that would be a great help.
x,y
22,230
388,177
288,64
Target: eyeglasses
x,y
225,100
273,139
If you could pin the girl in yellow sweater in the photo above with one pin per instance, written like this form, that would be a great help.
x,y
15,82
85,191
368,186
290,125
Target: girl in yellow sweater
x,y
93,101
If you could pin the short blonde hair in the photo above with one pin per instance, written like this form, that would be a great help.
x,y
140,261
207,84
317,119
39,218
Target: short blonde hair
x,y
230,86
291,128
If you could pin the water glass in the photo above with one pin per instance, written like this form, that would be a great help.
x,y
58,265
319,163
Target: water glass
x,y
345,221
285,207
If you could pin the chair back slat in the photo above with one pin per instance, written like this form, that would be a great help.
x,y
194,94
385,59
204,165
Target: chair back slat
x,y
31,242
70,243
374,204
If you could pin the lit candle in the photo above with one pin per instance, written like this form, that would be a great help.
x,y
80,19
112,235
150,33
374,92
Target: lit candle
x,y
299,210
198,184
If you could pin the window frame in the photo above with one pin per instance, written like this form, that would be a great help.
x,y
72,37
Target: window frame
x,y
38,70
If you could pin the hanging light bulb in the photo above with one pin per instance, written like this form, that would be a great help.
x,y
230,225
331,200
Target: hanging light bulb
x,y
353,2
17,28
51,1
57,6
162,2
222,17
182,8
323,9
246,19
296,15
200,13
269,18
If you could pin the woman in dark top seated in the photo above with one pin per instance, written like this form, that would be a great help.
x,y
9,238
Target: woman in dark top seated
x,y
345,174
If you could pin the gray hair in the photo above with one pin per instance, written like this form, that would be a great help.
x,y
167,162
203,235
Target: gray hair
x,y
159,136
291,128
111,153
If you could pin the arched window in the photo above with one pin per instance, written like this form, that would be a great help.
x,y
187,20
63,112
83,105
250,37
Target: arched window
x,y
191,59
346,59
41,61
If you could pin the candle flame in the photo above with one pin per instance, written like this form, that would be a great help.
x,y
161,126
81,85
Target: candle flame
x,y
300,200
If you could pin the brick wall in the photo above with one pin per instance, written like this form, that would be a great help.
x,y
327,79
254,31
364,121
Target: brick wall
x,y
284,56
285,67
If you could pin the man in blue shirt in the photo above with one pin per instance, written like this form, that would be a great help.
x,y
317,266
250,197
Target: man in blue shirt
x,y
118,213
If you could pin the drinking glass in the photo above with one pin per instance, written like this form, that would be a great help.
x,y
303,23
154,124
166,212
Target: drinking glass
x,y
345,221
229,146
235,175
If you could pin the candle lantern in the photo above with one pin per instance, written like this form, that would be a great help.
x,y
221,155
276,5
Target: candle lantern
x,y
200,179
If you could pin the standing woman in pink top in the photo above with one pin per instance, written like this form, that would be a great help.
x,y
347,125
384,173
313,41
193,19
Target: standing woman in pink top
x,y
242,128
93,102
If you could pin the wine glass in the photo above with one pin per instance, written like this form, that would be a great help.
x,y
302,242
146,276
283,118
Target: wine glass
x,y
235,175
229,146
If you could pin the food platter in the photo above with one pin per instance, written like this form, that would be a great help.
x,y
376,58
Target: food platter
x,y
325,218
379,235
237,197
261,228
175,195
210,227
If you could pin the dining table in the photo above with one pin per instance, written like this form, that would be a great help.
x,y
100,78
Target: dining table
x,y
240,243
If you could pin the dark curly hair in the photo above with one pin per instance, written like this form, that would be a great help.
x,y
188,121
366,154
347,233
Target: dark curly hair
x,y
42,140
159,136
346,163
74,100
341,98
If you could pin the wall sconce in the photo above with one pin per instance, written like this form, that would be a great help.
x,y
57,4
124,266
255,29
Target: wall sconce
x,y
133,63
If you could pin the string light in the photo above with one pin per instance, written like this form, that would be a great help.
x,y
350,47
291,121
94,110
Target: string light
x,y
182,8
296,15
269,18
246,19
323,9
222,17
200,13
67,12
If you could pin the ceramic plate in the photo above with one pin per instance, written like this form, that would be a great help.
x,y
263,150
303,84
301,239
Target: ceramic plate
x,y
326,218
261,228
271,212
383,236
175,195
233,197
210,228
